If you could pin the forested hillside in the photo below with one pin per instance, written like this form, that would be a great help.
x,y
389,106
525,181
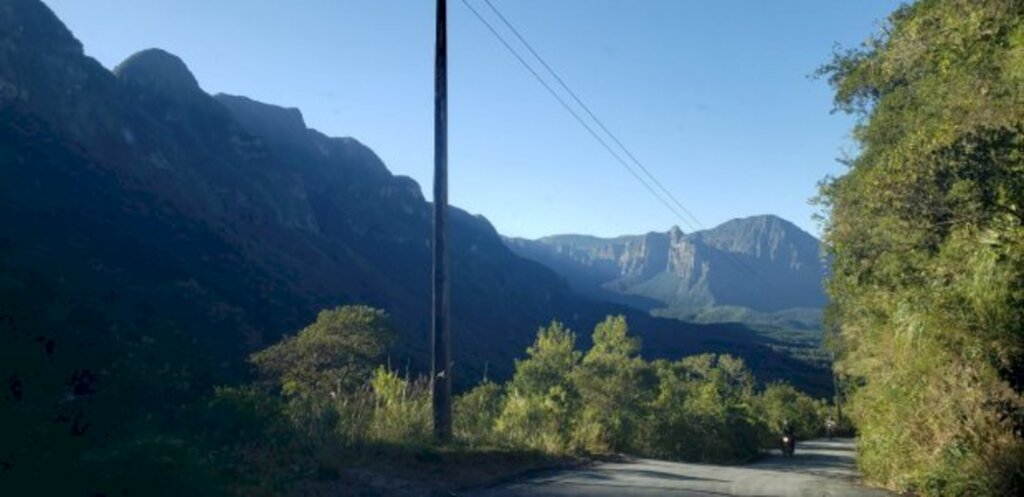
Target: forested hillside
x,y
927,233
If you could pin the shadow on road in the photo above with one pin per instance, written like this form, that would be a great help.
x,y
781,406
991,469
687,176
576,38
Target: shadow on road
x,y
834,459
819,468
662,475
834,445
809,459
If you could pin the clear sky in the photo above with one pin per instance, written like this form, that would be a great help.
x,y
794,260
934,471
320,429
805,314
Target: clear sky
x,y
713,96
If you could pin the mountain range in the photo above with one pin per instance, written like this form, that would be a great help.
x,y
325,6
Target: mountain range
x,y
758,269
146,225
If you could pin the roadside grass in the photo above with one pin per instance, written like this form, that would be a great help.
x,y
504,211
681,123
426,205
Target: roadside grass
x,y
397,470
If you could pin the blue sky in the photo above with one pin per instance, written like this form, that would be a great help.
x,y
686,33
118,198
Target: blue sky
x,y
713,96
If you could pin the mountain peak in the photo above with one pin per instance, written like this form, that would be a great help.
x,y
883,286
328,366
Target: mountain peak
x,y
688,272
158,70
765,236
762,223
31,24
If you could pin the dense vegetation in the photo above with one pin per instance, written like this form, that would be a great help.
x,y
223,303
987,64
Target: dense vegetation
x,y
332,393
326,399
927,234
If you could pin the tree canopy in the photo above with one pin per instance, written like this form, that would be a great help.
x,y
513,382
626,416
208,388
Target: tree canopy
x,y
926,231
332,356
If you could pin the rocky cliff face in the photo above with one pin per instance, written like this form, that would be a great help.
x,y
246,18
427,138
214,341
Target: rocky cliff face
x,y
762,263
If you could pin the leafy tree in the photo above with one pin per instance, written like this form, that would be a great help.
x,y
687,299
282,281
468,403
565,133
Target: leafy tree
x,y
668,432
781,403
703,410
720,407
549,362
323,372
541,396
926,231
614,384
329,358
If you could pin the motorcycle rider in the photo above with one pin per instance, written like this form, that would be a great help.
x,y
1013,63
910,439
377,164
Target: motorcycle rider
x,y
788,438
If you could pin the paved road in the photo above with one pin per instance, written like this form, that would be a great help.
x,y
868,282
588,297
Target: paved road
x,y
821,468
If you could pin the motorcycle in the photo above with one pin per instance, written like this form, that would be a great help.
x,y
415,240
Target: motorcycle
x,y
788,445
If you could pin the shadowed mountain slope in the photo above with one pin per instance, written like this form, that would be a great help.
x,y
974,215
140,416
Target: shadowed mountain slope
x,y
138,207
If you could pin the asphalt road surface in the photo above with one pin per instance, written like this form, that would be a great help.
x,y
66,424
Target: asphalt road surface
x,y
820,468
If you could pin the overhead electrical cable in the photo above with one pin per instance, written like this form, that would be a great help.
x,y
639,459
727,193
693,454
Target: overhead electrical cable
x,y
573,112
593,116
675,210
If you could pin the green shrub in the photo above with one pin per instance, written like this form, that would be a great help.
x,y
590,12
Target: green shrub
x,y
476,413
781,403
541,402
703,411
537,422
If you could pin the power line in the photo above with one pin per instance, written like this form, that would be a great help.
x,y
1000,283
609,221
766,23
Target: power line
x,y
594,134
576,115
586,108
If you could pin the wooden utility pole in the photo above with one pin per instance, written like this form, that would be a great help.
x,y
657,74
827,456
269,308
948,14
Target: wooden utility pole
x,y
441,378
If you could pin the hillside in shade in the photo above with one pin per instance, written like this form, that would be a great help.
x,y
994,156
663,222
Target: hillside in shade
x,y
149,226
